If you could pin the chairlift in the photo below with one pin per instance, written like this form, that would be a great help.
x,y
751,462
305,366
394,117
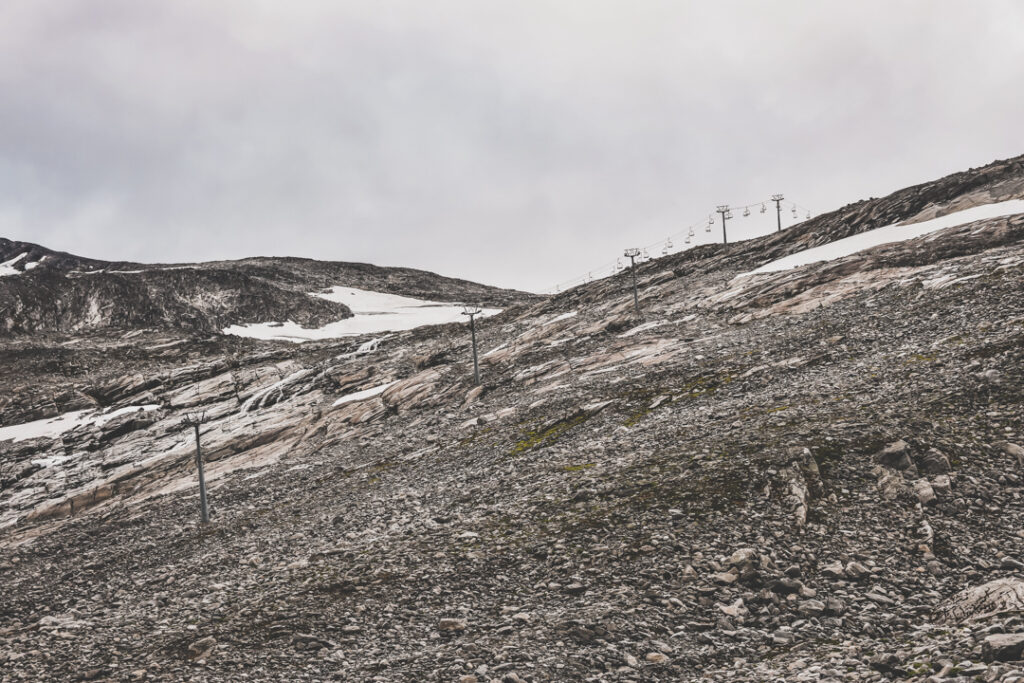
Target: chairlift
x,y
711,221
664,251
794,212
808,215
728,214
688,238
746,211
763,208
645,256
668,242
690,234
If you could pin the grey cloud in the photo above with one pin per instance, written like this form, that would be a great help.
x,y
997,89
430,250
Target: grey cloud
x,y
515,143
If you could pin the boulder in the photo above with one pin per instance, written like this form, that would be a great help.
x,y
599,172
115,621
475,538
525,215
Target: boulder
x,y
1003,647
933,462
895,455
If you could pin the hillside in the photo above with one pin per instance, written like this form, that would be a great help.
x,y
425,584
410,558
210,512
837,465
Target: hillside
x,y
813,473
43,291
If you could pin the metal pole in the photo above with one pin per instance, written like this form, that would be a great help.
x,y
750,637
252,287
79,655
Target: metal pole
x,y
724,210
632,254
202,479
472,312
777,198
476,365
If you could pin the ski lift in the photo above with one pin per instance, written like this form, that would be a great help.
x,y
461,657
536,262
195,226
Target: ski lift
x,y
645,256
664,251
668,242
808,215
618,264
794,212
763,208
711,221
688,238
746,211
728,214
690,234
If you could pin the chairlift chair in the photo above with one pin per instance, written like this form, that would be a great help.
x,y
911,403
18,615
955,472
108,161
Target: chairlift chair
x,y
668,242
690,234
794,212
763,208
688,238
746,211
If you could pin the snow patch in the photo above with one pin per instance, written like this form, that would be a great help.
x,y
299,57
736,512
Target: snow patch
x,y
373,312
364,394
52,427
7,267
897,232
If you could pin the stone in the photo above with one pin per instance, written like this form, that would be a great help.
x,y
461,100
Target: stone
x,y
895,455
1013,450
1003,647
924,492
933,462
1001,596
743,556
942,485
202,648
451,625
856,570
811,608
833,570
656,658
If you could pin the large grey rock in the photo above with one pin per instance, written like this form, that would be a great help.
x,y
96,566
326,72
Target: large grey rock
x,y
1003,647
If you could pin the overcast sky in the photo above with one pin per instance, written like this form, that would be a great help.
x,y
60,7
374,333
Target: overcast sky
x,y
518,143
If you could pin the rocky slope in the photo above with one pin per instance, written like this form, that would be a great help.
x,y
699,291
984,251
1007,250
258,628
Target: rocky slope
x,y
57,292
814,474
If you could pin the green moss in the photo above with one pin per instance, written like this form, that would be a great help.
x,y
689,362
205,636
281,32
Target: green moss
x,y
544,437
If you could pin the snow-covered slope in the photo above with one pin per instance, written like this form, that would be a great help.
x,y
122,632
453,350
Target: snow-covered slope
x,y
373,312
897,232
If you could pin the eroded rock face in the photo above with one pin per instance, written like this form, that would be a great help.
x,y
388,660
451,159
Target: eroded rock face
x,y
999,597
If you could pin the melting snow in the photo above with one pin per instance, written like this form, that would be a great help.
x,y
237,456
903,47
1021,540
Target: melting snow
x,y
7,267
896,232
364,394
53,427
373,312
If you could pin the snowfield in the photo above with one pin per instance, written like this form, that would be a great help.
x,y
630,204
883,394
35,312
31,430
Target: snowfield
x,y
52,427
897,232
373,312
